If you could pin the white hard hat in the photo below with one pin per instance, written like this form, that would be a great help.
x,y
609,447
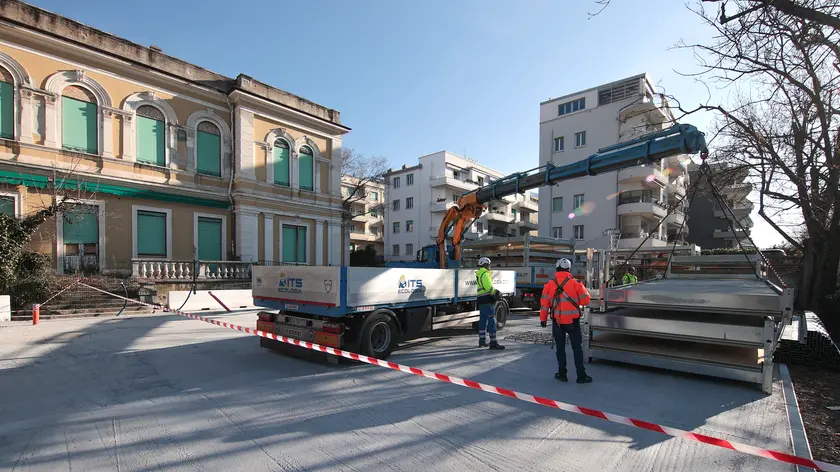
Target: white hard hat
x,y
563,264
483,261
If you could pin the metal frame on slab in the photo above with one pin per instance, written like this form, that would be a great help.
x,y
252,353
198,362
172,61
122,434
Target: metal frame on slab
x,y
705,318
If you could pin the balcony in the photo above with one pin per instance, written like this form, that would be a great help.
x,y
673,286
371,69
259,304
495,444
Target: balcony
x,y
655,107
676,187
451,182
737,191
676,218
744,208
633,240
527,225
642,175
639,203
500,216
376,220
727,234
436,207
356,235
528,204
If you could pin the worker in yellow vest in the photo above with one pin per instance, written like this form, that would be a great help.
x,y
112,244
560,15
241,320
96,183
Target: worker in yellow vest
x,y
486,301
630,276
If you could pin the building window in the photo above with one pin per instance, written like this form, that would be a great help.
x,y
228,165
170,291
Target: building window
x,y
306,168
151,234
396,182
409,180
208,141
580,139
456,174
7,206
480,181
79,120
395,227
209,238
282,163
409,203
557,232
409,248
396,249
578,201
479,227
395,205
559,143
572,106
557,204
151,136
578,232
373,212
409,226
455,197
294,244
7,106
373,196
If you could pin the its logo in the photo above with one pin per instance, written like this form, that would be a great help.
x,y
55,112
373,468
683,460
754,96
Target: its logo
x,y
328,285
289,284
542,270
410,285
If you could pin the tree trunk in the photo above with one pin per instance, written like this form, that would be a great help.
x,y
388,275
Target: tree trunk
x,y
819,280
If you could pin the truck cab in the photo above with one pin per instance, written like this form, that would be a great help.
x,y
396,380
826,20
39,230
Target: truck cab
x,y
428,257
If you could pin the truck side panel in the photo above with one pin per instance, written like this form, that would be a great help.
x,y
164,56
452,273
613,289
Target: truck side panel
x,y
373,286
503,281
304,284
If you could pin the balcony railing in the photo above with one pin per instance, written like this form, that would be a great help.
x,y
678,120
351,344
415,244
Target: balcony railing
x,y
187,270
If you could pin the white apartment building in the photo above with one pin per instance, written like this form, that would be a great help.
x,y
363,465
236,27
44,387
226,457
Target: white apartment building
x,y
366,207
418,197
630,201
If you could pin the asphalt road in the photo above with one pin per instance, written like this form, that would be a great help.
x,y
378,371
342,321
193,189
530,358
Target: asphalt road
x,y
168,393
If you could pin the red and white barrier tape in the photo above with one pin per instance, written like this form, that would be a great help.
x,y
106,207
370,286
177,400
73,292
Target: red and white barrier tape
x,y
755,451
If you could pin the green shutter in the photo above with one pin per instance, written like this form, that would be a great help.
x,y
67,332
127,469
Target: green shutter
x,y
294,244
209,239
209,153
301,244
7,206
281,165
78,125
306,171
7,110
81,226
151,234
150,141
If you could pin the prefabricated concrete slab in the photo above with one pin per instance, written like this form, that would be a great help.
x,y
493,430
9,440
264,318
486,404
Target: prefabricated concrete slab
x,y
164,392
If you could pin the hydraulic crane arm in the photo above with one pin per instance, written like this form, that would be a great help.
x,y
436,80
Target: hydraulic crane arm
x,y
647,149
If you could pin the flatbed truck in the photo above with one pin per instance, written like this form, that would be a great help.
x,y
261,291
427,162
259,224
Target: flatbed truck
x,y
370,309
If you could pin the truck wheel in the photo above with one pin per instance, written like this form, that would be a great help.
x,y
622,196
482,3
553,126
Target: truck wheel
x,y
379,336
501,312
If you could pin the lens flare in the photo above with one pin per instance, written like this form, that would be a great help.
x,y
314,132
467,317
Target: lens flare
x,y
649,178
612,196
571,215
587,207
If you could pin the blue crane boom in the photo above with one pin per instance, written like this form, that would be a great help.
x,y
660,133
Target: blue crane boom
x,y
647,149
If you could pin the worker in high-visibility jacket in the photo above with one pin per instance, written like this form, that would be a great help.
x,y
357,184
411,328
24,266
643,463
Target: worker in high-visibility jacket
x,y
564,297
486,301
630,276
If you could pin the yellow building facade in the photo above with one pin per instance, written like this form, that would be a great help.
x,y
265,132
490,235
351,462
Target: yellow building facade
x,y
168,161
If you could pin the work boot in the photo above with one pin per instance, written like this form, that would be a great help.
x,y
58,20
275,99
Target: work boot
x,y
561,377
482,344
584,380
495,346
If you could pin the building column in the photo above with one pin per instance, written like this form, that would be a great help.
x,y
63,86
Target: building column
x,y
247,237
25,128
319,242
244,144
336,245
51,122
316,175
269,163
294,172
107,134
335,169
268,237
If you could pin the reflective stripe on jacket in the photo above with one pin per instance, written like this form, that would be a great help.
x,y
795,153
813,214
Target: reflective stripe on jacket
x,y
630,279
565,312
484,282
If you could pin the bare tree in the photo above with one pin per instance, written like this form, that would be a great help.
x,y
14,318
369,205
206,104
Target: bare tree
x,y
359,172
783,125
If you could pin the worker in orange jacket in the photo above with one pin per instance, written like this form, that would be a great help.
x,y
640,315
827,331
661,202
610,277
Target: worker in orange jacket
x,y
564,297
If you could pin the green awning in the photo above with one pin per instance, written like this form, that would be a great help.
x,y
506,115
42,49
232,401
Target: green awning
x,y
40,181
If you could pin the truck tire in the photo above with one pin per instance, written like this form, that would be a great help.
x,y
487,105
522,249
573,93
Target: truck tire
x,y
378,336
501,313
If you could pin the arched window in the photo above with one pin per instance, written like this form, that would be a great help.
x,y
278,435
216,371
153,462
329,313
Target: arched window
x,y
306,169
78,120
7,104
151,135
208,149
281,163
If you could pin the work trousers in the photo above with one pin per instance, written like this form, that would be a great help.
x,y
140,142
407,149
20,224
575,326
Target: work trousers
x,y
576,340
486,322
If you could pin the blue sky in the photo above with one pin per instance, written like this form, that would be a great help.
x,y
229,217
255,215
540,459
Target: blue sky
x,y
413,78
